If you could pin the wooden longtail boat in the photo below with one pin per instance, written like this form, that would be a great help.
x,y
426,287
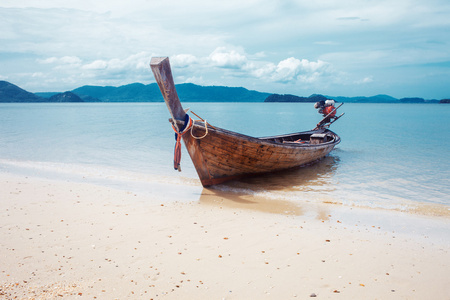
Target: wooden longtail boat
x,y
220,155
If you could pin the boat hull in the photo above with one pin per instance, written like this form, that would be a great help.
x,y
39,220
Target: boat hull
x,y
224,155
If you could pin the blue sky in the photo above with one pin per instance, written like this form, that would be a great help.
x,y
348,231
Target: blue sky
x,y
332,47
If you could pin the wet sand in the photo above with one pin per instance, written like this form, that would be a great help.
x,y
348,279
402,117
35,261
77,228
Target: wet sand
x,y
77,240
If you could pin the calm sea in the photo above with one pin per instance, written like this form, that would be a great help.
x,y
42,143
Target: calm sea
x,y
391,155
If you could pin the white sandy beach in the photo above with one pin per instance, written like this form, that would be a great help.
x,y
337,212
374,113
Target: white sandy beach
x,y
81,241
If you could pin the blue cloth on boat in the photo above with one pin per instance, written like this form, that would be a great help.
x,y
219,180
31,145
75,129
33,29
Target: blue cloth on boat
x,y
186,122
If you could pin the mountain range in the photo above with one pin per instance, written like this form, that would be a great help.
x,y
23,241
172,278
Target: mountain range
x,y
188,92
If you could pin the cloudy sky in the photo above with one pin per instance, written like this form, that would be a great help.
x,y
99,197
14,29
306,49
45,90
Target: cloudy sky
x,y
333,47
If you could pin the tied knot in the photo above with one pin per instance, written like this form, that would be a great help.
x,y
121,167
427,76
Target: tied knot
x,y
178,134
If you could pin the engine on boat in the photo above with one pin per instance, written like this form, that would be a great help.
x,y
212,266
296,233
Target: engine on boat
x,y
326,107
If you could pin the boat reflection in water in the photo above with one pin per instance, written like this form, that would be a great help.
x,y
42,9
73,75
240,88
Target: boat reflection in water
x,y
291,192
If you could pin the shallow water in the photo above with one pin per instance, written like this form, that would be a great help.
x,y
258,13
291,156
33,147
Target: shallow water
x,y
391,156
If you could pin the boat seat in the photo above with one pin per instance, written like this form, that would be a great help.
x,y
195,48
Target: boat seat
x,y
318,138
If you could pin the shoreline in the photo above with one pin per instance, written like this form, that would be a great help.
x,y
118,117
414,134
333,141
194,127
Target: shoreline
x,y
78,239
188,188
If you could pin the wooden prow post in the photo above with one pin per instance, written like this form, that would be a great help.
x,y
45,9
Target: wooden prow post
x,y
163,74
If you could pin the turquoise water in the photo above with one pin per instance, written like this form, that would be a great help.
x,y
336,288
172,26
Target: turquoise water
x,y
391,155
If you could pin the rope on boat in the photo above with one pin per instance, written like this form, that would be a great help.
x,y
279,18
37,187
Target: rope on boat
x,y
200,137
206,127
202,119
188,124
178,134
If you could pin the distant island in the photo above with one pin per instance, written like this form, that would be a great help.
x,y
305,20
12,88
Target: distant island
x,y
291,98
65,97
374,99
188,92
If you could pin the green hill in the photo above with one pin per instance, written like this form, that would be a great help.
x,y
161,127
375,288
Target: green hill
x,y
135,92
12,93
138,92
188,92
191,92
65,97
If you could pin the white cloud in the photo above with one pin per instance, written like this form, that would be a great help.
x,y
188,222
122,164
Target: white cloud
x,y
264,71
49,60
291,70
287,70
242,67
38,75
133,62
223,58
70,60
196,80
365,80
96,65
183,60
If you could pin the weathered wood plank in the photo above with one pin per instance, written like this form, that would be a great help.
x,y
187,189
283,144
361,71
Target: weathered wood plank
x,y
226,154
163,74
